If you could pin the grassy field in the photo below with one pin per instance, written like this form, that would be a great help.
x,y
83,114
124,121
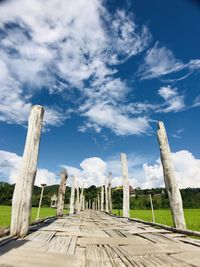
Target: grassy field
x,y
5,214
192,217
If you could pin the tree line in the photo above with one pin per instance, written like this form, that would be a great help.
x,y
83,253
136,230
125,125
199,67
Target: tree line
x,y
139,198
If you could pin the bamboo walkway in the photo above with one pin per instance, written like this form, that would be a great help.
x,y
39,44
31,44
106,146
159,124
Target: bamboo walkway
x,y
93,239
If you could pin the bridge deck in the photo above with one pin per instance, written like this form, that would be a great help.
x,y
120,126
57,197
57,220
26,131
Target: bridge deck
x,y
95,239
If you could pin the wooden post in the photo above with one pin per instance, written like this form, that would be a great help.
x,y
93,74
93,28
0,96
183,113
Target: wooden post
x,y
22,196
61,192
173,191
98,201
77,197
126,201
95,203
72,195
109,193
83,206
40,202
152,210
106,196
81,198
102,198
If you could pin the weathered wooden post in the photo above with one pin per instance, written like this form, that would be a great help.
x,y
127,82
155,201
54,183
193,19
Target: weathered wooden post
x,y
40,202
95,203
71,211
22,196
109,193
81,198
61,192
83,207
126,201
173,191
77,196
102,198
152,209
106,196
98,201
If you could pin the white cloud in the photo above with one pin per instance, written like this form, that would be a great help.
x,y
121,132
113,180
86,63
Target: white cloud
x,y
160,61
63,47
187,170
10,165
174,101
93,171
104,115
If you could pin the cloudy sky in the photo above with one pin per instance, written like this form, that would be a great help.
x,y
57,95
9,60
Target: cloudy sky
x,y
106,72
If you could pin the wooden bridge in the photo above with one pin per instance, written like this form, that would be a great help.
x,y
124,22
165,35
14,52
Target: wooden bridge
x,y
93,238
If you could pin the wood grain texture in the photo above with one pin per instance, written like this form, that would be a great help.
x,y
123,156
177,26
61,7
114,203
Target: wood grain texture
x,y
171,185
94,238
61,192
22,196
126,199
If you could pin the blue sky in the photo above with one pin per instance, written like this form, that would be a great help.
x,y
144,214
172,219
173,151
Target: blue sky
x,y
105,71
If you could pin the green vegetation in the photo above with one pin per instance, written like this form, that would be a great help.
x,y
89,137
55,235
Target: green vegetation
x,y
192,217
139,203
139,197
5,214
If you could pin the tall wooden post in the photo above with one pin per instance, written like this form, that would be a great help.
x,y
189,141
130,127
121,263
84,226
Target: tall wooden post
x,y
98,201
152,209
173,191
83,206
106,196
40,202
102,198
95,203
109,193
126,200
77,197
61,192
81,198
22,196
71,211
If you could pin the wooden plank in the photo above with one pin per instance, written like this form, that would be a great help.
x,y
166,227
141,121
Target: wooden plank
x,y
110,241
72,246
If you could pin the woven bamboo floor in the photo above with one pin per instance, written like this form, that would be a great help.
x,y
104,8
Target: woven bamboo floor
x,y
93,239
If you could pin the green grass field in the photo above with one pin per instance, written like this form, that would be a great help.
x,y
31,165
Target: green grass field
x,y
192,216
5,214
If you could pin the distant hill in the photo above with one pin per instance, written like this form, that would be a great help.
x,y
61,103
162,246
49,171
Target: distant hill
x,y
139,197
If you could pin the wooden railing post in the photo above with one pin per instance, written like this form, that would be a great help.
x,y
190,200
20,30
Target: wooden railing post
x,y
126,200
98,201
102,198
106,196
22,196
61,192
109,193
77,197
72,195
83,206
81,198
173,191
